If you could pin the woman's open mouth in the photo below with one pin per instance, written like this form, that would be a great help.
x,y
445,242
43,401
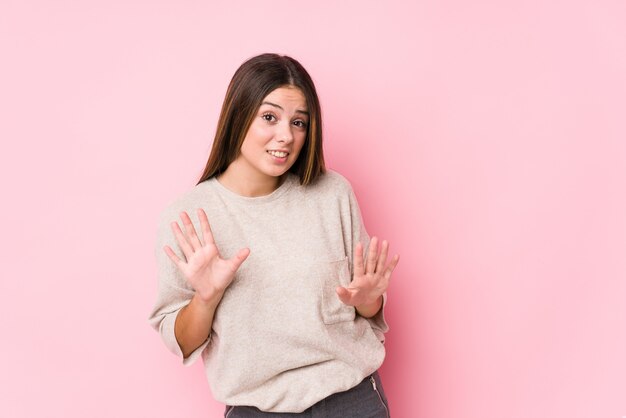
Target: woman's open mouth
x,y
278,154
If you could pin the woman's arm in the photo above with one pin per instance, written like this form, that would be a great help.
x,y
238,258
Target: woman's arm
x,y
193,323
207,273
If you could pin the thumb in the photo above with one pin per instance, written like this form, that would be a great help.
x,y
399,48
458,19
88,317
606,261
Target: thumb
x,y
239,258
344,295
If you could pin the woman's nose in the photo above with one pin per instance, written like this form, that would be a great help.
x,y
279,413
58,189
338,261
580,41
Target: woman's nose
x,y
285,134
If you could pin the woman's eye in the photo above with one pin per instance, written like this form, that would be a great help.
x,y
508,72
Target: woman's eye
x,y
300,124
268,117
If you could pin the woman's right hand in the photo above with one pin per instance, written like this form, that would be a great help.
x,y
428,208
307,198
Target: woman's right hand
x,y
204,269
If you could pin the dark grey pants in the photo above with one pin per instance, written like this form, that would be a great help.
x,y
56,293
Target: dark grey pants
x,y
365,400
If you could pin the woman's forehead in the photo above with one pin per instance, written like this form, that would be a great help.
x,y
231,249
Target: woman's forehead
x,y
291,96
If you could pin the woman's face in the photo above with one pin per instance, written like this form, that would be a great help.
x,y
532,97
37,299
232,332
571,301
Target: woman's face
x,y
276,135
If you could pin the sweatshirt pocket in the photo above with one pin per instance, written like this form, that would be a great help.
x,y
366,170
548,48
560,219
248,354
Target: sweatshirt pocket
x,y
334,274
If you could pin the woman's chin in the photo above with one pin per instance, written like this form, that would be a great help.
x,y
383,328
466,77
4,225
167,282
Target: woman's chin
x,y
277,171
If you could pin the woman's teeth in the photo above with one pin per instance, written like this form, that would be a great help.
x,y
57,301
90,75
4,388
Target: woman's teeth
x,y
278,154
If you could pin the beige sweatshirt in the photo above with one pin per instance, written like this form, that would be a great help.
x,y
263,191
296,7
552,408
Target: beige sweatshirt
x,y
281,339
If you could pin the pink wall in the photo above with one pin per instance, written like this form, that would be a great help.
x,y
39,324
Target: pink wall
x,y
486,140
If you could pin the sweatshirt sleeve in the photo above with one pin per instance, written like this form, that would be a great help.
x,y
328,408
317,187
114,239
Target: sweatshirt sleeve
x,y
174,292
359,234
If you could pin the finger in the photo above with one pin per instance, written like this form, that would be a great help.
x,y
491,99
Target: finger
x,y
190,230
182,241
172,255
372,256
382,259
207,234
239,258
359,268
392,265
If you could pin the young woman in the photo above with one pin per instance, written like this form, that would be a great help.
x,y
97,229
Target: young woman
x,y
275,283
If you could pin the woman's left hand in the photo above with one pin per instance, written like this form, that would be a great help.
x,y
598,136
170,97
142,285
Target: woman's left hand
x,y
370,279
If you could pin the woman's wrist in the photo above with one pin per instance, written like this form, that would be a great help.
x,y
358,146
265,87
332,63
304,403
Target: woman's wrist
x,y
208,300
368,310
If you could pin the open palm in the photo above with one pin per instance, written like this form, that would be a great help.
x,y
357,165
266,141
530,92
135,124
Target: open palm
x,y
204,269
371,277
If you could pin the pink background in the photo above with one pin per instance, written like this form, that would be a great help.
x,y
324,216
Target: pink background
x,y
485,140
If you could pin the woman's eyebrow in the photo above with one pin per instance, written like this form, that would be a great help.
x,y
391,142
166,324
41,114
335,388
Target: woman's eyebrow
x,y
297,110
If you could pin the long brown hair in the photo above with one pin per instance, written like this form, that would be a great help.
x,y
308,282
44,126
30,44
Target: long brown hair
x,y
251,83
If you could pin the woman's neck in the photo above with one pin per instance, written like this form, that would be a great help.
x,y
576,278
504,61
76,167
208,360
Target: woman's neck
x,y
247,183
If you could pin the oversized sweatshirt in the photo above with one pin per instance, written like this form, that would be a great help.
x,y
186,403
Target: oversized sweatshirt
x,y
281,339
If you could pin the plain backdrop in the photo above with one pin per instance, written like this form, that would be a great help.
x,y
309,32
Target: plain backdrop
x,y
486,140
